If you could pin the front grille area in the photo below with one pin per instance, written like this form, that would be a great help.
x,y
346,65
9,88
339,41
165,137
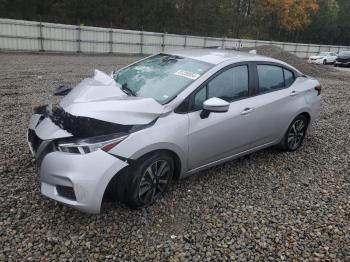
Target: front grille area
x,y
40,147
34,140
66,192
50,147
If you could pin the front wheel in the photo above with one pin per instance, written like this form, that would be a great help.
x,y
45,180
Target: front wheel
x,y
325,62
147,181
295,134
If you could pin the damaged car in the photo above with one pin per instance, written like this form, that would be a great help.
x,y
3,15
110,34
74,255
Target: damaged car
x,y
128,135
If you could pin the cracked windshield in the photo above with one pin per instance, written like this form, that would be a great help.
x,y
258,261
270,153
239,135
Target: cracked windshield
x,y
160,77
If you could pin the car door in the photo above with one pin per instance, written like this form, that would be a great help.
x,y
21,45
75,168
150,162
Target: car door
x,y
275,101
254,120
222,134
332,57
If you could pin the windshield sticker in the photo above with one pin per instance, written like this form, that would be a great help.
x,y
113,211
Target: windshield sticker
x,y
187,74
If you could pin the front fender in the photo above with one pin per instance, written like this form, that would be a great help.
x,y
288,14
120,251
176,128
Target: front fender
x,y
168,133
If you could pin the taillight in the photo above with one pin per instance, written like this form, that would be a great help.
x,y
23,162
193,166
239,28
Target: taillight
x,y
318,89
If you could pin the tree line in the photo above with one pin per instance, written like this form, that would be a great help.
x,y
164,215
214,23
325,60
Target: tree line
x,y
308,21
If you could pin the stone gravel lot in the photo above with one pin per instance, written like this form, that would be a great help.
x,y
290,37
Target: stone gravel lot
x,y
269,205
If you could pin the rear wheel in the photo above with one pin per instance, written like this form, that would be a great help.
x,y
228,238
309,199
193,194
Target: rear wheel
x,y
295,134
147,181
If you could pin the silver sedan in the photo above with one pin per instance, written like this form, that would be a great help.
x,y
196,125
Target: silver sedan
x,y
129,134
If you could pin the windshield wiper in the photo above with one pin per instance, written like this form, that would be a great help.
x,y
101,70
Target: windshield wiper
x,y
127,90
170,59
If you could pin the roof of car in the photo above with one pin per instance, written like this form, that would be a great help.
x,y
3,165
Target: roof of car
x,y
217,55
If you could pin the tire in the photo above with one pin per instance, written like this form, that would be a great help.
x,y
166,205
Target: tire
x,y
294,137
146,181
325,62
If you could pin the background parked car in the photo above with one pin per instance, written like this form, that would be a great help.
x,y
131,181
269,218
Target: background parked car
x,y
323,58
343,59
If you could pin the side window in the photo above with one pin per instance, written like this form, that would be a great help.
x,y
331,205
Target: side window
x,y
288,77
270,78
230,85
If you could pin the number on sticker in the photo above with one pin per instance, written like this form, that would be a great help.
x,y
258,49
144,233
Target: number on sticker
x,y
187,74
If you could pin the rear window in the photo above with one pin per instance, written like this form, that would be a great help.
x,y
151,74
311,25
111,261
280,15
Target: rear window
x,y
288,77
270,78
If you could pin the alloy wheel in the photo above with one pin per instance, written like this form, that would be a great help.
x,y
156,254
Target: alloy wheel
x,y
296,134
154,181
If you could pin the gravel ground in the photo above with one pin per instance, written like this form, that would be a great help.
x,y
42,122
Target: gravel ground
x,y
266,206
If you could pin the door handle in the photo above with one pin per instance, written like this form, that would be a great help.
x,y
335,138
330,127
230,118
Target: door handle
x,y
247,111
294,93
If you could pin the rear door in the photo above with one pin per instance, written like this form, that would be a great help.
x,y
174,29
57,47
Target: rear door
x,y
275,101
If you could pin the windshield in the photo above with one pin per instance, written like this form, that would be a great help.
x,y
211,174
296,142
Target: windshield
x,y
160,77
345,53
323,54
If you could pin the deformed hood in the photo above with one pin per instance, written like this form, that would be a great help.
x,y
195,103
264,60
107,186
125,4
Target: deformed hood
x,y
97,106
101,86
101,98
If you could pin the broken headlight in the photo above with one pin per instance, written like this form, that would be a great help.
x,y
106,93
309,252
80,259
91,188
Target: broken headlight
x,y
88,145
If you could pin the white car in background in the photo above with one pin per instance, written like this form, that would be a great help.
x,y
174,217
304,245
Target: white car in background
x,y
323,58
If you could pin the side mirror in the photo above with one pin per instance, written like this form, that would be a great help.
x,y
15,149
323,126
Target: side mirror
x,y
214,105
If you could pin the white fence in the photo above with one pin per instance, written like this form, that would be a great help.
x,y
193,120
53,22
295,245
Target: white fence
x,y
18,35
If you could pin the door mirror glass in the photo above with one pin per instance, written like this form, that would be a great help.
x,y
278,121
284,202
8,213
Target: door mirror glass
x,y
215,105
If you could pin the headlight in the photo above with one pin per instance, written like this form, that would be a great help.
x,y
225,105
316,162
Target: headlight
x,y
88,145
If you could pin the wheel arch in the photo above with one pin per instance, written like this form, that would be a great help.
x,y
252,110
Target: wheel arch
x,y
178,167
307,116
177,161
303,112
176,152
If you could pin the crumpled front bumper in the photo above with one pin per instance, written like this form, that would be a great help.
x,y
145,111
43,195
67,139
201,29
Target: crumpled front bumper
x,y
86,175
77,180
